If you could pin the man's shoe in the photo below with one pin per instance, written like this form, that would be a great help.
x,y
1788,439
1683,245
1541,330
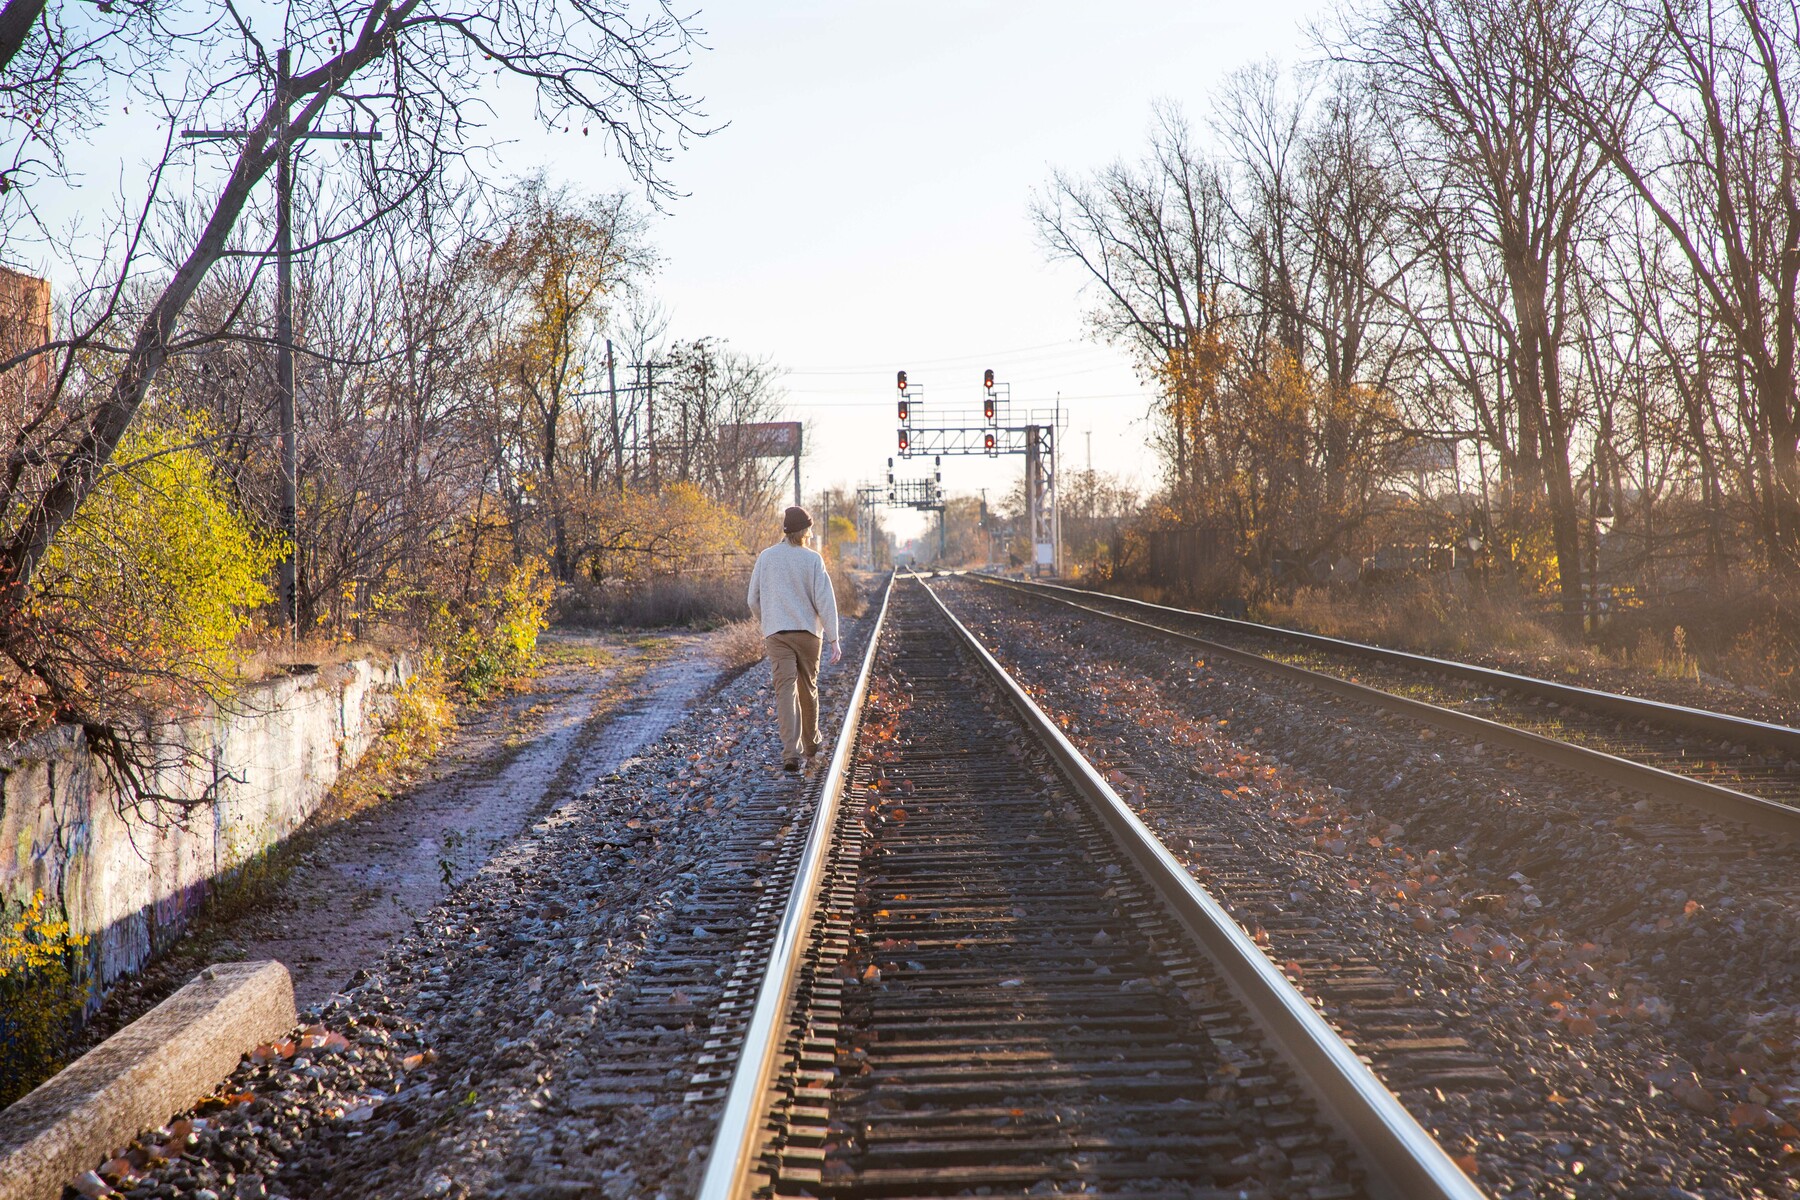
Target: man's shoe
x,y
791,764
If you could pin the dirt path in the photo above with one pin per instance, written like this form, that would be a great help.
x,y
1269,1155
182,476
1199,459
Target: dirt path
x,y
338,895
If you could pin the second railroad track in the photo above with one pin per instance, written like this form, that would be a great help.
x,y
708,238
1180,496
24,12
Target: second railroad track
x,y
1737,767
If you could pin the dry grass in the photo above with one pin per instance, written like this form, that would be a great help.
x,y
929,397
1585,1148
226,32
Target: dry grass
x,y
1746,629
1663,655
1429,618
276,657
850,599
737,644
1745,634
672,600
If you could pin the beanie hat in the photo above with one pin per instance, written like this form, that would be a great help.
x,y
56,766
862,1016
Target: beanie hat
x,y
795,519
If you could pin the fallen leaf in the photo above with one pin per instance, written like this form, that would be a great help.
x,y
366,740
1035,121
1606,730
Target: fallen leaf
x,y
1694,1097
120,1172
88,1183
1751,1116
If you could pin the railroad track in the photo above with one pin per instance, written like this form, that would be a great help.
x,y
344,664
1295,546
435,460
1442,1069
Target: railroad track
x,y
990,978
1737,767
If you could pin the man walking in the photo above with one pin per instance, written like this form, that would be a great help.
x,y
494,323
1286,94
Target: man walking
x,y
790,594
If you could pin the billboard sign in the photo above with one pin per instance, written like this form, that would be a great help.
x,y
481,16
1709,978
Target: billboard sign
x,y
763,439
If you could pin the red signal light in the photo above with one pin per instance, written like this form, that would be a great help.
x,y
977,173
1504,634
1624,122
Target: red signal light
x,y
987,379
904,440
905,410
900,380
987,408
987,442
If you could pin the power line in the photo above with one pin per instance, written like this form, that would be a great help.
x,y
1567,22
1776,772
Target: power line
x,y
1051,374
873,404
959,360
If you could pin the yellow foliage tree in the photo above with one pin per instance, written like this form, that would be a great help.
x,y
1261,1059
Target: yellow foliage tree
x,y
1258,444
554,273
634,536
143,595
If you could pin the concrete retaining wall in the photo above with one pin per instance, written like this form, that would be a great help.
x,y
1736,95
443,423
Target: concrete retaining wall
x,y
129,879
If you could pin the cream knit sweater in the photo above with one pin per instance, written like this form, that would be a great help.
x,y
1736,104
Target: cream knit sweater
x,y
789,589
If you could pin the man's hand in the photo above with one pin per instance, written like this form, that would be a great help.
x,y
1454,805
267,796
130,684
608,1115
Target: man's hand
x,y
837,653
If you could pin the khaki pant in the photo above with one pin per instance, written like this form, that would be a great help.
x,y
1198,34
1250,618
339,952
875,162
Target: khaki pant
x,y
794,654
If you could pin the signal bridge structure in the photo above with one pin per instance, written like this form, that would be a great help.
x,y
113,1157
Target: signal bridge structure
x,y
997,433
923,495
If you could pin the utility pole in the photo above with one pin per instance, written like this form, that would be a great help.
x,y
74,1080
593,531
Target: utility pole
x,y
987,533
612,392
284,314
284,356
943,513
650,421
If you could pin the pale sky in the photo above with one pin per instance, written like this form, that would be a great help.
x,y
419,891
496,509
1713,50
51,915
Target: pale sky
x,y
865,207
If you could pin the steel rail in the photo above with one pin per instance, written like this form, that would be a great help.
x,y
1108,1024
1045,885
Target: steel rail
x,y
1404,1160
739,1135
1700,721
1711,797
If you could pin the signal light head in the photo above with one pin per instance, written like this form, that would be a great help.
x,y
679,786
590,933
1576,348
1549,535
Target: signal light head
x,y
900,380
987,442
987,379
904,440
905,410
987,408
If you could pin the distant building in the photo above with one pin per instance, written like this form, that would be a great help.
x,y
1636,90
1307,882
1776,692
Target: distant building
x,y
24,325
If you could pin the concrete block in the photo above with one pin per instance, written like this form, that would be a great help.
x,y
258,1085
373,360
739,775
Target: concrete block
x,y
141,1076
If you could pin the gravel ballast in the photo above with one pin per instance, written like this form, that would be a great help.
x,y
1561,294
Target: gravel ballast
x,y
541,1031
1628,966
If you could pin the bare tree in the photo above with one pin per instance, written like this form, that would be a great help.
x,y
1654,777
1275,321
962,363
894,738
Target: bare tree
x,y
1321,242
417,61
1713,156
555,268
1153,239
55,65
1502,168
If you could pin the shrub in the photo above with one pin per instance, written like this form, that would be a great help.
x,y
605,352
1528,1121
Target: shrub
x,y
42,995
144,594
489,640
1427,616
636,539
